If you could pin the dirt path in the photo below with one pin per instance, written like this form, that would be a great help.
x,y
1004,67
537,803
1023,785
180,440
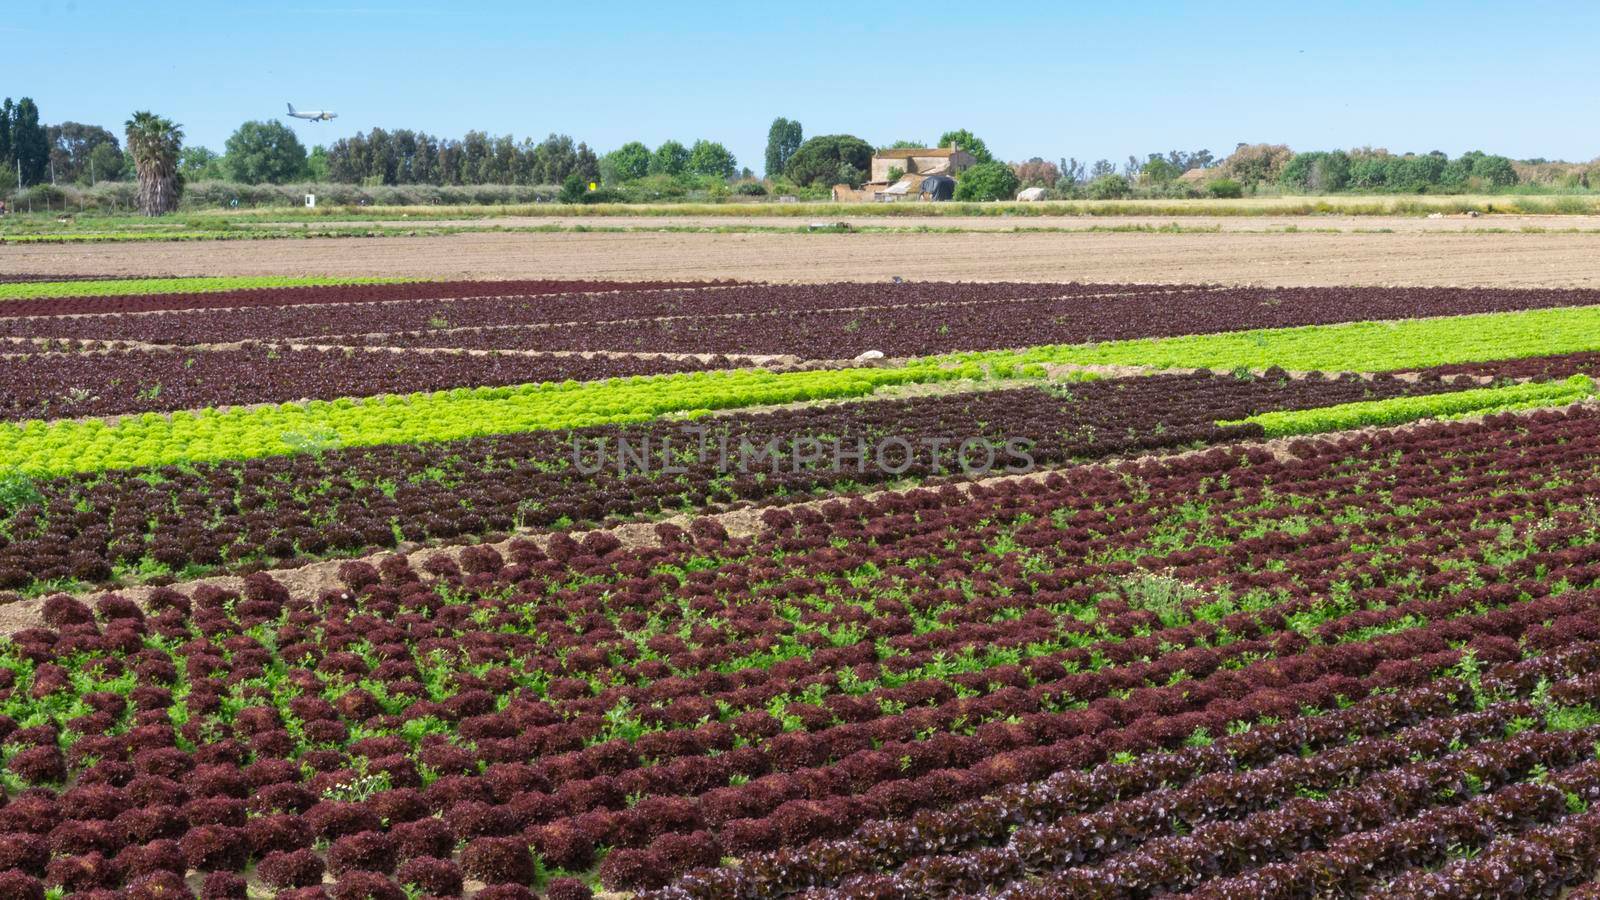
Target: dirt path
x,y
1298,259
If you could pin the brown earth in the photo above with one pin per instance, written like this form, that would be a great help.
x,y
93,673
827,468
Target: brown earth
x,y
1401,258
1242,224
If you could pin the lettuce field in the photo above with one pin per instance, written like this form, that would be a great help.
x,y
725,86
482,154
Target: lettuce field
x,y
360,589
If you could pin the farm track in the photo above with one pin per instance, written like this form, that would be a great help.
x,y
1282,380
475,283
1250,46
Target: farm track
x,y
1401,258
309,580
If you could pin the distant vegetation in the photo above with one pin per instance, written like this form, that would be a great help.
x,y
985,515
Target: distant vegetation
x,y
72,165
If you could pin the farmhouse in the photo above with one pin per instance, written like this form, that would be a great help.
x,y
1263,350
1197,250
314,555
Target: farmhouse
x,y
910,173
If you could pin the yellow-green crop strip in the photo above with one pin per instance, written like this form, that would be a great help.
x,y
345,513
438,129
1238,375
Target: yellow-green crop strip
x,y
1397,410
62,447
1382,346
32,290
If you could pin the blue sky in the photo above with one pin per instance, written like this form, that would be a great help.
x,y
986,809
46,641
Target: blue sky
x,y
1052,80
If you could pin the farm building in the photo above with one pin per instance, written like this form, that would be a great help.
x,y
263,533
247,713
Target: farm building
x,y
910,173
950,161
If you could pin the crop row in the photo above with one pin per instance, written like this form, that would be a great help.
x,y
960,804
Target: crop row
x,y
19,278
279,510
817,321
74,301
1368,346
431,305
1558,365
33,290
65,446
62,447
716,696
928,329
1107,847
1393,410
71,385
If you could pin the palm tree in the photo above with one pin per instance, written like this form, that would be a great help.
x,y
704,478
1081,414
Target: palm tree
x,y
154,142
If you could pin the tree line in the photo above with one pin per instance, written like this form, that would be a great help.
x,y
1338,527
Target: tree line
x,y
270,152
413,157
24,145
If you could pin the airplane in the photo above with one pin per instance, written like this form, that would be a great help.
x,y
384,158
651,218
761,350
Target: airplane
x,y
314,115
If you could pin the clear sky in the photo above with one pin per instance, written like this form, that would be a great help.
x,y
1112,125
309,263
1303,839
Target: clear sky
x,y
1089,80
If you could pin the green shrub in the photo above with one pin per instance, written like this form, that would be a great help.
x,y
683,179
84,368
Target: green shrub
x,y
573,189
750,189
987,181
1224,189
1107,187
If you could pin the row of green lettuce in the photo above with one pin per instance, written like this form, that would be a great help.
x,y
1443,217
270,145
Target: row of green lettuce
x,y
1397,410
119,287
1374,346
65,446
62,447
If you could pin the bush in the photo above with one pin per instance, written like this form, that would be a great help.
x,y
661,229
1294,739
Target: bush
x,y
987,181
750,189
1224,189
1107,187
573,189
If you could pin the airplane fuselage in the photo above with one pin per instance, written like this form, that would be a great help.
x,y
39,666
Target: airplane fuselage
x,y
311,115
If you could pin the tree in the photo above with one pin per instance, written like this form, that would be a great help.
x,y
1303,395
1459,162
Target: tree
x,y
106,163
629,162
671,158
1157,170
73,145
1493,171
783,139
317,164
1037,172
154,143
987,181
29,146
1255,163
1317,171
200,164
1100,169
830,159
967,141
907,145
6,112
264,153
585,163
711,158
474,150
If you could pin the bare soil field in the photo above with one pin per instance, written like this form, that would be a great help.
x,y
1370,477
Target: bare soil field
x,y
1415,257
1241,224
